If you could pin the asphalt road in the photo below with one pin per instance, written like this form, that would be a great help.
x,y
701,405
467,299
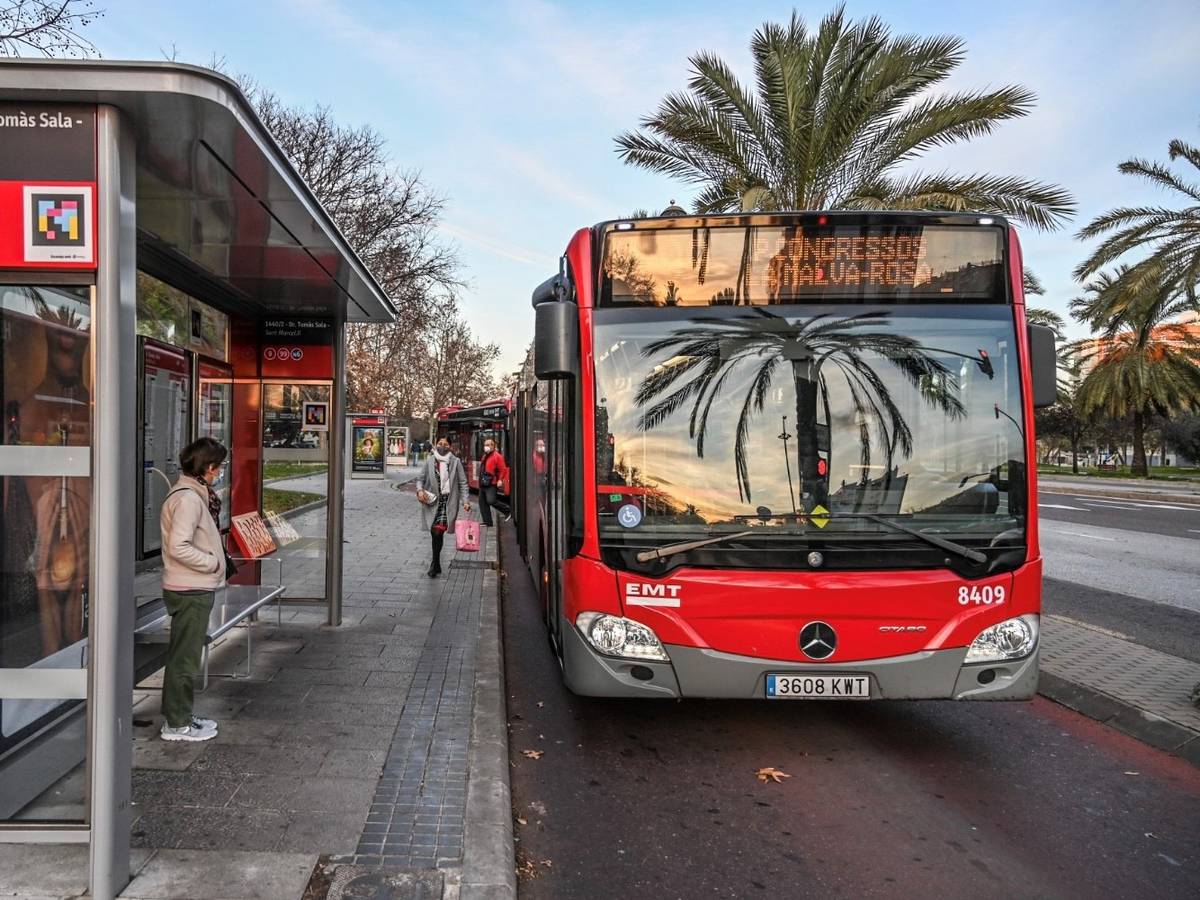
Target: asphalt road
x,y
885,799
1131,566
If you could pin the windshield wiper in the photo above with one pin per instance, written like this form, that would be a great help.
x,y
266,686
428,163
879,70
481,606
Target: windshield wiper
x,y
973,555
684,546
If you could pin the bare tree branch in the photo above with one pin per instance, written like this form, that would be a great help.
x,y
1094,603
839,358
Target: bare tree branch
x,y
428,357
47,27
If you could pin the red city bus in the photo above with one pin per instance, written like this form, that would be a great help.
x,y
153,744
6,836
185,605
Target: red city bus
x,y
466,428
786,456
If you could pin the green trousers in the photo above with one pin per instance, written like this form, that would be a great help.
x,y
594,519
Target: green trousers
x,y
189,611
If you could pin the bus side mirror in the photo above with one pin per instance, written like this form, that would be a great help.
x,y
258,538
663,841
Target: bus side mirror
x,y
556,340
1043,366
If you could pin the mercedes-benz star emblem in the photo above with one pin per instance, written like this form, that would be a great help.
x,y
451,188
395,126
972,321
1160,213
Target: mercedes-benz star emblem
x,y
818,640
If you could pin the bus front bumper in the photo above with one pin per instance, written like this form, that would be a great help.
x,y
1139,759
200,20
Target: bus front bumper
x,y
697,672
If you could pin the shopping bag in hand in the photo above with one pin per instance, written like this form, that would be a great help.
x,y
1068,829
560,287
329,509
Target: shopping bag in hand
x,y
466,535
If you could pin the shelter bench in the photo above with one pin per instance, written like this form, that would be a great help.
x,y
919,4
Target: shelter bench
x,y
235,604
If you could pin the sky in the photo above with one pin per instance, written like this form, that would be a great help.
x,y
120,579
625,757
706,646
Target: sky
x,y
509,108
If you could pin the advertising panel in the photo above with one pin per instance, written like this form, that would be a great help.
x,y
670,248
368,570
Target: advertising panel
x,y
367,444
46,393
47,186
397,445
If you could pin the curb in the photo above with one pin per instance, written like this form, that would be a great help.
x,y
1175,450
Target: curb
x,y
286,478
488,867
307,507
1185,498
1125,718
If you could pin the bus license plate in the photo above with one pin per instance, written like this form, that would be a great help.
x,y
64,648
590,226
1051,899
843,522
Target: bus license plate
x,y
818,687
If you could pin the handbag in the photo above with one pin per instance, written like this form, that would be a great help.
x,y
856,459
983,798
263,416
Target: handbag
x,y
466,535
230,566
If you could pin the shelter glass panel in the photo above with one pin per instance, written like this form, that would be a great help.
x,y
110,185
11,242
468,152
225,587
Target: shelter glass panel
x,y
296,481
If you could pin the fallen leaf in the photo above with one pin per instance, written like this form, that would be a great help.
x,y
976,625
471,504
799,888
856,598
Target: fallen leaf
x,y
527,868
521,821
532,754
540,704
1133,773
547,863
771,773
1151,834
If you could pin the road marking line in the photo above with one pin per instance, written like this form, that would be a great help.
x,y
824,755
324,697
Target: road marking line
x,y
1094,537
1112,504
1061,506
1147,504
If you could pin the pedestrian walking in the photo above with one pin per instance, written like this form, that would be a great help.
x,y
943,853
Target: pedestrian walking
x,y
443,489
195,564
493,474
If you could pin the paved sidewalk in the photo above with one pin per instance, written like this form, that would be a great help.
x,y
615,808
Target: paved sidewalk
x,y
1133,688
346,764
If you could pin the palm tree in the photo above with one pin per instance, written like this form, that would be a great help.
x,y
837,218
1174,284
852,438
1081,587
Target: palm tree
x,y
1037,315
1153,370
833,116
712,349
1172,237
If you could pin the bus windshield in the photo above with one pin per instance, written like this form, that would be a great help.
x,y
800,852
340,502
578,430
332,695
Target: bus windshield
x,y
786,420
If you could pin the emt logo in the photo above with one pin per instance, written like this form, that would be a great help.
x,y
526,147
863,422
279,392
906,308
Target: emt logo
x,y
640,594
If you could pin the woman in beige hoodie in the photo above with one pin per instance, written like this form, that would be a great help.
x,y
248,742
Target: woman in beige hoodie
x,y
193,568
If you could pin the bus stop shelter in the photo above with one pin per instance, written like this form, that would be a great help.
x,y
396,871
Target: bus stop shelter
x,y
164,274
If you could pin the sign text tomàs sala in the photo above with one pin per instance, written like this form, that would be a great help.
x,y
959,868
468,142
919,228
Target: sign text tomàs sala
x,y
47,186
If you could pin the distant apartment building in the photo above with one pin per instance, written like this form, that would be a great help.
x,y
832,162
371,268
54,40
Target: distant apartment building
x,y
1184,330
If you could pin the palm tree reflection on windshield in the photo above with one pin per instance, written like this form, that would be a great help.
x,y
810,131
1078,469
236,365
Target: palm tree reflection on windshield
x,y
711,350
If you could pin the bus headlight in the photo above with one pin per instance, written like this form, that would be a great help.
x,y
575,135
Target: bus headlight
x,y
1010,639
618,636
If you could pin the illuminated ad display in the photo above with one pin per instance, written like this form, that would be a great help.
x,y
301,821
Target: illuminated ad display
x,y
47,186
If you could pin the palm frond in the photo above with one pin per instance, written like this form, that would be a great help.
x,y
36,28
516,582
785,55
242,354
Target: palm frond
x,y
1043,206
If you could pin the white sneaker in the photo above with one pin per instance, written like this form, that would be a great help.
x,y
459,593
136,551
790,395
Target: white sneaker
x,y
187,733
204,724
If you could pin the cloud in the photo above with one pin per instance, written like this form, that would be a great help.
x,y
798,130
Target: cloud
x,y
497,246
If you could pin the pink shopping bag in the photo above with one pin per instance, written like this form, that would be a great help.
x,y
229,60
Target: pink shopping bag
x,y
466,535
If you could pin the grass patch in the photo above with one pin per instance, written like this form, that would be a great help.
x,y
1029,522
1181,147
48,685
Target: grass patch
x,y
282,501
286,468
1157,473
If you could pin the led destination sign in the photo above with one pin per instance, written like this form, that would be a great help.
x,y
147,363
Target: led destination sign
x,y
740,265
887,261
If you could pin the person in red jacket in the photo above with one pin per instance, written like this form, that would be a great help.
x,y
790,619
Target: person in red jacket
x,y
493,472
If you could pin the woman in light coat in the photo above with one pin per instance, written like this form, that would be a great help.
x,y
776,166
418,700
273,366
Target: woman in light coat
x,y
194,567
445,480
